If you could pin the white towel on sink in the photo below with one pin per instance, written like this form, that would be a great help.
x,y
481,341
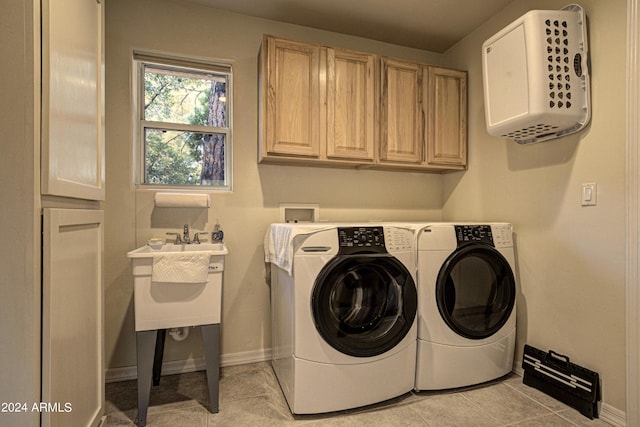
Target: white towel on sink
x,y
180,268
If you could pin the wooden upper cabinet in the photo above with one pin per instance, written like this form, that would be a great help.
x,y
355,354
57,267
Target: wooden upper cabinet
x,y
445,94
401,112
325,106
350,104
292,90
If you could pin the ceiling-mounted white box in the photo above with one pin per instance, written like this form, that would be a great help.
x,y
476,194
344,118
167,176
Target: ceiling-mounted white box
x,y
299,212
536,76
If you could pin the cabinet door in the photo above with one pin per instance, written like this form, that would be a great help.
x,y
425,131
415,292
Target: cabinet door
x,y
446,129
72,316
294,112
73,99
401,115
350,104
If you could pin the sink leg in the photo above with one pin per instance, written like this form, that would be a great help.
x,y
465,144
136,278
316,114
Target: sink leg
x,y
145,344
211,344
157,357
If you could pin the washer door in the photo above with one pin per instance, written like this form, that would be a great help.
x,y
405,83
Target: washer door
x,y
475,291
364,305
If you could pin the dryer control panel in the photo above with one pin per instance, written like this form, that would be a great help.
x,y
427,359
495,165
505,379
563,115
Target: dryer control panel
x,y
474,234
361,239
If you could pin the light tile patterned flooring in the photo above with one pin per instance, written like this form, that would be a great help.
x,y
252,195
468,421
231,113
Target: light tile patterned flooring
x,y
250,396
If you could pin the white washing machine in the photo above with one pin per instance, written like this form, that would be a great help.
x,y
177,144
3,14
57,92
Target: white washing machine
x,y
344,309
466,304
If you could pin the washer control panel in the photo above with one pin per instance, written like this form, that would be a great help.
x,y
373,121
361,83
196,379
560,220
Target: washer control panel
x,y
502,235
474,234
398,239
361,239
497,235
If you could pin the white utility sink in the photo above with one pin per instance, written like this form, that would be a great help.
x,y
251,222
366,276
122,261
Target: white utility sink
x,y
147,251
163,305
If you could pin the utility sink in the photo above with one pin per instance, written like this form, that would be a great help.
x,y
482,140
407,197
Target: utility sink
x,y
148,251
173,302
165,305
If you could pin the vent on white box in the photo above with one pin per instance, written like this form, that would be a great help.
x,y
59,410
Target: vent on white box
x,y
536,76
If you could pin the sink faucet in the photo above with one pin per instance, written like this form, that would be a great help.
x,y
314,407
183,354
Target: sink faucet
x,y
178,241
185,234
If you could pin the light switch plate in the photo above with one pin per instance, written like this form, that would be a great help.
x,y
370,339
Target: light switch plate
x,y
589,194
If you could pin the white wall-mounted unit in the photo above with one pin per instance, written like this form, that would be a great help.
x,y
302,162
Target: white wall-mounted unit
x,y
536,76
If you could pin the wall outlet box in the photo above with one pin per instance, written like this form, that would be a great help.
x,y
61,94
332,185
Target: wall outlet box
x,y
299,212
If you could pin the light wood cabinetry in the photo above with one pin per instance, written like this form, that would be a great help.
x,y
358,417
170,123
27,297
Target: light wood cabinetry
x,y
293,109
423,117
318,103
445,92
350,105
401,112
324,106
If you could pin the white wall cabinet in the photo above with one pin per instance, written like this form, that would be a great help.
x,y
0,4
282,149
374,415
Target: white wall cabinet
x,y
72,316
73,99
72,148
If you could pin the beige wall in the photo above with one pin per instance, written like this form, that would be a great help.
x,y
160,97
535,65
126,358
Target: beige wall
x,y
344,195
571,258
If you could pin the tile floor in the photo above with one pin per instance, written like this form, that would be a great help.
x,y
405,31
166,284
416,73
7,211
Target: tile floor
x,y
250,396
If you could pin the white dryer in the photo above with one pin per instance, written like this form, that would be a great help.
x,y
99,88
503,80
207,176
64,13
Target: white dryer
x,y
344,311
466,304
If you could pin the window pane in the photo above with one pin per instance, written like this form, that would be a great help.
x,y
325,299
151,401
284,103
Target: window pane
x,y
184,97
184,158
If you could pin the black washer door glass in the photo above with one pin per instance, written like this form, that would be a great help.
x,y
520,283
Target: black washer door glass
x,y
475,291
364,305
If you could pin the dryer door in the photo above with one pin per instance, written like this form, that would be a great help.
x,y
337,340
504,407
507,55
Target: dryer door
x,y
475,291
364,305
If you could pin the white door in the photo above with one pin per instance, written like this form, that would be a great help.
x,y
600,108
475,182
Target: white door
x,y
72,317
73,98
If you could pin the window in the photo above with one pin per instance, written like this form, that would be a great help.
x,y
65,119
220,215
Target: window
x,y
184,123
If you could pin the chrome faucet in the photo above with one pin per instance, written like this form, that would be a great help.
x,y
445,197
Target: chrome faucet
x,y
178,241
185,234
185,239
196,237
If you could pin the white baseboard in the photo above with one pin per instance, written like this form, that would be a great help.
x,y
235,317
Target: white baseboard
x,y
613,415
608,413
190,365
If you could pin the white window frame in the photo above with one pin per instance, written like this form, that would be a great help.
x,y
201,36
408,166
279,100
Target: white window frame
x,y
173,63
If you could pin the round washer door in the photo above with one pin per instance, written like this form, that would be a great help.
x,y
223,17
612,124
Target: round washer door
x,y
475,291
364,305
